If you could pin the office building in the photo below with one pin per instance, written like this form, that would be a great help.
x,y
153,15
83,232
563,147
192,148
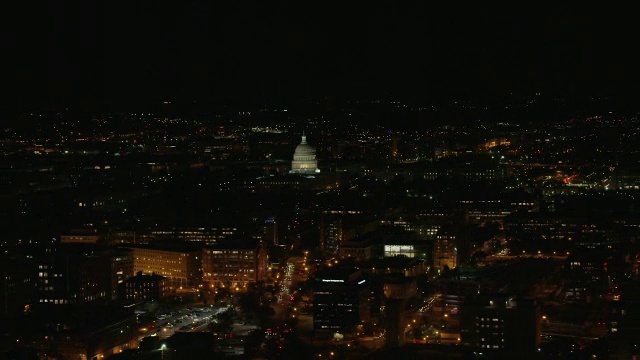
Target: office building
x,y
206,235
357,250
445,251
143,288
81,236
501,326
121,268
18,284
341,300
73,274
90,332
234,263
181,263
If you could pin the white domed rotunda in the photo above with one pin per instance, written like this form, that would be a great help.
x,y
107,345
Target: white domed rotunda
x,y
304,159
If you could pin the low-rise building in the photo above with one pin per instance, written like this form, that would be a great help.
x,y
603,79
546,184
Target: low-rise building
x,y
81,236
143,288
359,251
181,264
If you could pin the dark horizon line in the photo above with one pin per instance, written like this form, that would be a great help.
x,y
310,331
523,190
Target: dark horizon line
x,y
214,103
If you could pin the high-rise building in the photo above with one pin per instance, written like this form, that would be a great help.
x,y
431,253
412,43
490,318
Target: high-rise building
x,y
586,273
445,251
270,232
626,178
395,319
121,269
70,275
501,326
18,284
341,300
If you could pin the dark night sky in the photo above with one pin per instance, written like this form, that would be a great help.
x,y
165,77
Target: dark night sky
x,y
144,52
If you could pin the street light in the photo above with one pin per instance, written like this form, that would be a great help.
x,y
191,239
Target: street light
x,y
162,348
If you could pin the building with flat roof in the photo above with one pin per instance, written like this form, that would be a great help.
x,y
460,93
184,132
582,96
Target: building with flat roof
x,y
73,274
341,300
406,266
357,250
121,268
445,251
90,331
143,288
501,326
399,287
234,262
339,228
181,264
81,236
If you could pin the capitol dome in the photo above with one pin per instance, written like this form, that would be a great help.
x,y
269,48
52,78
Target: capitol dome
x,y
304,159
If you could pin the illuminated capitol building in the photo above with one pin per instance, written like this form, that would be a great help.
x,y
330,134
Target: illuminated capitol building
x,y
304,173
304,159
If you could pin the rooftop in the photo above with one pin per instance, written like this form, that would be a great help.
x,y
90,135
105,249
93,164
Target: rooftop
x,y
345,273
236,242
175,246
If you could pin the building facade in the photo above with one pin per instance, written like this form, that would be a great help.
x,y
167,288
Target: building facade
x,y
121,266
501,326
88,236
72,276
341,301
181,266
143,288
445,252
359,251
234,263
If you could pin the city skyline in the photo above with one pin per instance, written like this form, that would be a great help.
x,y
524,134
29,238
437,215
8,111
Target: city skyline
x,y
275,180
